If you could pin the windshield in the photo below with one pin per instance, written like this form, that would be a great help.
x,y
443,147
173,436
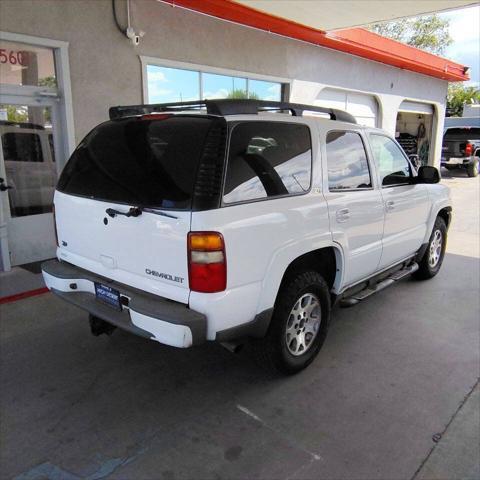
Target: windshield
x,y
138,161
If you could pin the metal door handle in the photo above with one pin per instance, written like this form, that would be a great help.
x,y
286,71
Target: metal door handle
x,y
390,205
343,215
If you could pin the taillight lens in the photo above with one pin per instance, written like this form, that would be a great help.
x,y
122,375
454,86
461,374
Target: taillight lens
x,y
55,224
468,149
207,265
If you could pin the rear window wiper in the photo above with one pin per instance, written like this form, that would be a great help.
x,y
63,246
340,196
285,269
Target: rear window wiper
x,y
136,212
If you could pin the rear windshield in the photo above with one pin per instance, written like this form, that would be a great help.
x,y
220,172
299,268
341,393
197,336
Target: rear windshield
x,y
463,133
144,162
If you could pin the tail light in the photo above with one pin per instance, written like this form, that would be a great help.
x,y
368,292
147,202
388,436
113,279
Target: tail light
x,y
55,224
207,266
468,149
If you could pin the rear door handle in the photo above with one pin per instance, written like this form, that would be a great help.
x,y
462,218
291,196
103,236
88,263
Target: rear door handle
x,y
343,215
390,205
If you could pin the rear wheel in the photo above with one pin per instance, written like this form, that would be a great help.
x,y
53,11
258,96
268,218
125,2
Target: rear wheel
x,y
432,259
472,168
299,324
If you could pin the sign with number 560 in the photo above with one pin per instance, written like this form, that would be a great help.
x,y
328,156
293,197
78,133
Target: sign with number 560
x,y
13,58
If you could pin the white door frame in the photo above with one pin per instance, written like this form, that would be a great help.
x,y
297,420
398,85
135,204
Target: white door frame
x,y
65,134
62,72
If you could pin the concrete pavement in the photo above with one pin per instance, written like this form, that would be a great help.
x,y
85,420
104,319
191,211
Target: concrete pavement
x,y
395,370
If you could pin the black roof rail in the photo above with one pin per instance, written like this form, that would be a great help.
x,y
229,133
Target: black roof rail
x,y
226,106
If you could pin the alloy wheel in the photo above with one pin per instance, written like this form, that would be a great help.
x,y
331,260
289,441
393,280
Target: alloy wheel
x,y
435,249
303,324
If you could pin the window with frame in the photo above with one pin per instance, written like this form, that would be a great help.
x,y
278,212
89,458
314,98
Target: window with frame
x,y
392,164
268,159
347,162
167,84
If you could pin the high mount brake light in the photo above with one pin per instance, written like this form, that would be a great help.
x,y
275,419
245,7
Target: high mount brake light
x,y
207,264
155,116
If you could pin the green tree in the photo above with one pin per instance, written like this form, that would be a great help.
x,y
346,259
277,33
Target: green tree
x,y
458,95
49,81
16,114
239,94
428,33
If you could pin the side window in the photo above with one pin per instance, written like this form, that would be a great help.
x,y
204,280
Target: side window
x,y
393,166
22,147
267,159
347,162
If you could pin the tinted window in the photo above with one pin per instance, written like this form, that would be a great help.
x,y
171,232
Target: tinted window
x,y
139,162
267,159
347,162
464,133
393,166
22,147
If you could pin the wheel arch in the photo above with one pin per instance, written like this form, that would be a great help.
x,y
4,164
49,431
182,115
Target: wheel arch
x,y
327,260
446,214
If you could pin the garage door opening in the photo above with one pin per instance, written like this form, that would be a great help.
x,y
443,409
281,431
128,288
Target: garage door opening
x,y
414,129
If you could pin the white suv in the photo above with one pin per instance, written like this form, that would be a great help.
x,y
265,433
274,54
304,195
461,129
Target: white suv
x,y
232,219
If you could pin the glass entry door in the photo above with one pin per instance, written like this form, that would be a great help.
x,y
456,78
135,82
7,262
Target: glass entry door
x,y
28,175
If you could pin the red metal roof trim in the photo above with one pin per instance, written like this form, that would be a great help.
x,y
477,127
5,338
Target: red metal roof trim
x,y
356,41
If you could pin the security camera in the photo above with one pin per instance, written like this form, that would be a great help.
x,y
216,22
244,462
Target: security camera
x,y
133,36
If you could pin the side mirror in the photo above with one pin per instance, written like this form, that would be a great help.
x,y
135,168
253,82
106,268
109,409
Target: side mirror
x,y
427,174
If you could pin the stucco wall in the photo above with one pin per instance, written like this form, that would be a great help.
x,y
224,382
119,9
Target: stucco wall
x,y
106,70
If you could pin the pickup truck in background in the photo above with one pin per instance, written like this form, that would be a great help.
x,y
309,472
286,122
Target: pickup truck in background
x,y
461,149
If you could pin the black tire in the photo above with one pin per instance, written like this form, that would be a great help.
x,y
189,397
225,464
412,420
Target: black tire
x,y
472,168
271,351
426,268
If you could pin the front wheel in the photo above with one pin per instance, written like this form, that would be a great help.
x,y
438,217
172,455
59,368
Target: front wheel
x,y
299,324
432,259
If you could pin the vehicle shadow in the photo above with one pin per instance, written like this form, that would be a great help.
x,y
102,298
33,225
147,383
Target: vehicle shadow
x,y
455,173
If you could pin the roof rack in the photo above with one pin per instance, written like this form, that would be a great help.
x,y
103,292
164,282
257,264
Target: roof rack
x,y
230,107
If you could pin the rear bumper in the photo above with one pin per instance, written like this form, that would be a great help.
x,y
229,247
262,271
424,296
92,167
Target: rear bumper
x,y
456,160
147,315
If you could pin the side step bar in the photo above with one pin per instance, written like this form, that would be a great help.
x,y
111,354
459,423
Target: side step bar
x,y
354,298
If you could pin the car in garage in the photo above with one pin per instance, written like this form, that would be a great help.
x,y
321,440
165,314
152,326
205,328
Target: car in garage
x,y
227,220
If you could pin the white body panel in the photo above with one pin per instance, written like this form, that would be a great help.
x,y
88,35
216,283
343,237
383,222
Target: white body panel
x,y
125,248
407,210
356,222
262,238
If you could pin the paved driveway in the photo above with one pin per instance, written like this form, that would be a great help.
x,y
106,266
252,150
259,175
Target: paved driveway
x,y
393,373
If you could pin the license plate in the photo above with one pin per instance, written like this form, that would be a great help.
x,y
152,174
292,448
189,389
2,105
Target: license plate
x,y
108,295
454,161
